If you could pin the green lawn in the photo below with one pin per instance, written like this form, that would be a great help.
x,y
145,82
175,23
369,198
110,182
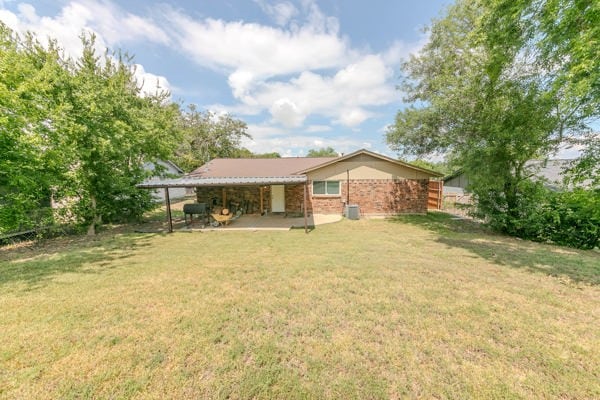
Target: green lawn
x,y
420,306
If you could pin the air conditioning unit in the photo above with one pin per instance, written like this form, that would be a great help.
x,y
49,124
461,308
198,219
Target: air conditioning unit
x,y
352,211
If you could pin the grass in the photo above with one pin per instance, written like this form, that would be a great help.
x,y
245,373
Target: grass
x,y
419,306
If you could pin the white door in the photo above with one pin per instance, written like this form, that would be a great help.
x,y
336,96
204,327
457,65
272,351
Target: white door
x,y
278,198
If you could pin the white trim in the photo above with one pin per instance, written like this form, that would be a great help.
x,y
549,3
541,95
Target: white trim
x,y
326,194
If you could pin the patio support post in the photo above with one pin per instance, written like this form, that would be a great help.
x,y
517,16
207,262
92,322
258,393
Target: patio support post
x,y
224,198
168,201
261,201
305,219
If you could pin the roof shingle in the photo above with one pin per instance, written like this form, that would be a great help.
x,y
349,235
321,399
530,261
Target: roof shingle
x,y
257,167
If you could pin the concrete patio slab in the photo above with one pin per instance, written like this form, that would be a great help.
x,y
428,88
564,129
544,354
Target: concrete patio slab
x,y
255,222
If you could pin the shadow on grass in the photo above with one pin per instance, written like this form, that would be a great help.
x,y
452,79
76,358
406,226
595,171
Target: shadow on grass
x,y
35,265
577,265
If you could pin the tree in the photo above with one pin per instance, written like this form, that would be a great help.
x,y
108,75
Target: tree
x,y
77,130
111,131
484,95
207,135
587,167
31,162
440,167
245,153
561,37
322,152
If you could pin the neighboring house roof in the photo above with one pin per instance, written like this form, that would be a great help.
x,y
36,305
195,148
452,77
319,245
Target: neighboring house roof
x,y
551,172
175,166
453,175
169,165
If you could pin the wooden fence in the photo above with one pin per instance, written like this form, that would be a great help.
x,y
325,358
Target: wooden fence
x,y
435,195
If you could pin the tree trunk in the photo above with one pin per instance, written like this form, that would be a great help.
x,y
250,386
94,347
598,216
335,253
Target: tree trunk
x,y
92,228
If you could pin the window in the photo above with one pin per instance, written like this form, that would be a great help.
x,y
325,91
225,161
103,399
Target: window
x,y
326,188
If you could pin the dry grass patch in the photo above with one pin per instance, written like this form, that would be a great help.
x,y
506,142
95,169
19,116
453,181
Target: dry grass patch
x,y
413,307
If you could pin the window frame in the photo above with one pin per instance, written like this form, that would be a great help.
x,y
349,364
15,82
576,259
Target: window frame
x,y
327,194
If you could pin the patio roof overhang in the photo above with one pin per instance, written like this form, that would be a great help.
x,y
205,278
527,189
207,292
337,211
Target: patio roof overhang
x,y
226,181
190,181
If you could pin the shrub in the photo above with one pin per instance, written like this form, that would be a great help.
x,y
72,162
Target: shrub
x,y
573,219
566,218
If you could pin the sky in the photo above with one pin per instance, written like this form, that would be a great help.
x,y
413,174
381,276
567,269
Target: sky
x,y
303,74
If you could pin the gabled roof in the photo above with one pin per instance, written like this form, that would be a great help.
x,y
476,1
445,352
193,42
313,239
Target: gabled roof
x,y
264,171
453,175
372,154
175,166
151,166
257,167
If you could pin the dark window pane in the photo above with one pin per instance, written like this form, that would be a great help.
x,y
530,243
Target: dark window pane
x,y
319,187
333,187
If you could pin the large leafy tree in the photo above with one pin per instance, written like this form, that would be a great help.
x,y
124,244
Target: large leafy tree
x,y
31,162
563,39
486,91
207,135
77,130
111,130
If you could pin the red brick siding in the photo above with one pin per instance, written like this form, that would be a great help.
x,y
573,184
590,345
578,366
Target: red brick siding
x,y
376,196
294,199
243,195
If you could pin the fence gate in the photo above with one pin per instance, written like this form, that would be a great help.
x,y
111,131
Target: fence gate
x,y
434,198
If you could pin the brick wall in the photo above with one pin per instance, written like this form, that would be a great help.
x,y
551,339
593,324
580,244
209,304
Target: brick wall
x,y
374,196
249,197
294,199
245,196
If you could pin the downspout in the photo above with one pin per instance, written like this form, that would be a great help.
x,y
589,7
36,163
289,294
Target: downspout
x,y
347,187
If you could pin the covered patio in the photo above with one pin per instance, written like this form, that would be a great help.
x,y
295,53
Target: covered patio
x,y
261,221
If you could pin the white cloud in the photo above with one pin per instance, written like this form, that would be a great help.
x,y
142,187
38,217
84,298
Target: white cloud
x,y
287,113
318,128
281,12
344,97
236,109
301,144
399,51
262,131
301,67
149,83
259,51
109,23
9,18
353,117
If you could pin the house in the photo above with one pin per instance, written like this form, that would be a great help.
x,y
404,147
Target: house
x,y
550,172
379,185
168,169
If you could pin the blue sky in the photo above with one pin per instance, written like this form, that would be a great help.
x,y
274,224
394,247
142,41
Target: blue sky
x,y
301,73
